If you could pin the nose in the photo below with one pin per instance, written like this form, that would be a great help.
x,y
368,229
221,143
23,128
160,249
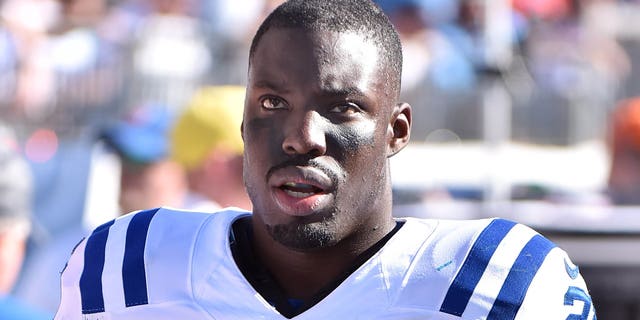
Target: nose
x,y
305,135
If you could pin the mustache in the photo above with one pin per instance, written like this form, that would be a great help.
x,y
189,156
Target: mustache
x,y
302,161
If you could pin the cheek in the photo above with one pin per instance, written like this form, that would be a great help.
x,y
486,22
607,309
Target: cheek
x,y
364,162
262,144
356,141
261,135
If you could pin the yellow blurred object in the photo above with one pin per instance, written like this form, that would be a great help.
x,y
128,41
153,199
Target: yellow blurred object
x,y
210,121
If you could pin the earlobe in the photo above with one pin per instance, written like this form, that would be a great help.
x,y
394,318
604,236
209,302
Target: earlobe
x,y
400,128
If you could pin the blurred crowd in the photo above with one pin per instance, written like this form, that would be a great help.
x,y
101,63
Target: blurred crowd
x,y
71,66
75,76
541,71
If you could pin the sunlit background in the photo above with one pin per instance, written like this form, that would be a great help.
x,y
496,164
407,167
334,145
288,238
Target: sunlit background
x,y
512,99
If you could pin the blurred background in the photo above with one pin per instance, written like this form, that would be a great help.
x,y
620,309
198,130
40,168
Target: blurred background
x,y
523,109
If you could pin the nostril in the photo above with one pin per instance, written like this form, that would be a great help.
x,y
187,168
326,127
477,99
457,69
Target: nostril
x,y
305,144
316,152
305,135
289,149
295,145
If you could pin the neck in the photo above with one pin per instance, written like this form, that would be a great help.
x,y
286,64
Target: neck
x,y
303,274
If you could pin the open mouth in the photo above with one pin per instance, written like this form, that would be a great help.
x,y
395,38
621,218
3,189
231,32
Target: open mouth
x,y
300,190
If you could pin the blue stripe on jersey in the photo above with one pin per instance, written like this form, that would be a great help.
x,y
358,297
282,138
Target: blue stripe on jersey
x,y
474,265
91,278
519,278
133,272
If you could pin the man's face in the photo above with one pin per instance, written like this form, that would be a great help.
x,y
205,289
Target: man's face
x,y
316,132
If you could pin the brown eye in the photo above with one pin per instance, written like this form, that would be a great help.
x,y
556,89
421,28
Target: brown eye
x,y
346,109
273,103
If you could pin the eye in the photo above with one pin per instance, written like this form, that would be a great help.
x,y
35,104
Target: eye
x,y
272,103
346,109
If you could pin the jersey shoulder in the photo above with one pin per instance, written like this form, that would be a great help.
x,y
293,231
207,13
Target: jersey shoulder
x,y
142,258
491,268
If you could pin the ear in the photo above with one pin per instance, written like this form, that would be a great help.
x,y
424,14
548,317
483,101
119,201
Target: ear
x,y
399,128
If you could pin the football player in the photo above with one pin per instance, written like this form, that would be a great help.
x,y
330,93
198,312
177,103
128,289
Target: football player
x,y
321,120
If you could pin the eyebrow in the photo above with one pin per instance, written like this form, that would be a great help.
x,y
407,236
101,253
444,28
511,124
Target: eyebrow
x,y
347,91
266,84
352,91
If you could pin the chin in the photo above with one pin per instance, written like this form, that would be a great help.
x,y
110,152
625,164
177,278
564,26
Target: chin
x,y
305,236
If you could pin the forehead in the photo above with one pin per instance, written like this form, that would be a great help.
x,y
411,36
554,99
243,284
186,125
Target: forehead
x,y
327,60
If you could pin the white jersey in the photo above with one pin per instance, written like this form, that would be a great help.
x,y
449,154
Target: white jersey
x,y
173,264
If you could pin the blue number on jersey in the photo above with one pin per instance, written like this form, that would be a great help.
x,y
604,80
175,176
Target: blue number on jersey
x,y
573,294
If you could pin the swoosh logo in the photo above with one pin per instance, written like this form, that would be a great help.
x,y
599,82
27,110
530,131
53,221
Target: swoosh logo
x,y
572,270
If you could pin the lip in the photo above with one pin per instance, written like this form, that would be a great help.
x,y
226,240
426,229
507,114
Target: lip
x,y
316,190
